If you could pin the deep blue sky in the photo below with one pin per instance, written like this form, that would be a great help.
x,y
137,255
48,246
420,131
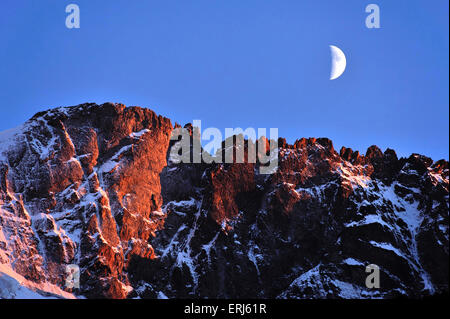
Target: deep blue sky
x,y
239,63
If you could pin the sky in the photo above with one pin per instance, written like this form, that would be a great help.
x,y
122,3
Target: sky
x,y
234,63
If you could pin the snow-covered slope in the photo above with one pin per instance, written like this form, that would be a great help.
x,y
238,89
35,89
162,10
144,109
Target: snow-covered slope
x,y
15,286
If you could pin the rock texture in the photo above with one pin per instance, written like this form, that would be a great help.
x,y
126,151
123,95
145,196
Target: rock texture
x,y
93,185
81,186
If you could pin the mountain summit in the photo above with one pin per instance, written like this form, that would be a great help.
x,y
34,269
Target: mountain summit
x,y
93,186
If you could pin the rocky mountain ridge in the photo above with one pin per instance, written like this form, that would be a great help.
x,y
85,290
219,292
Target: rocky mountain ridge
x,y
93,185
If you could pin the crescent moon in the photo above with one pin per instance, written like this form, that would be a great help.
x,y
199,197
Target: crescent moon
x,y
338,62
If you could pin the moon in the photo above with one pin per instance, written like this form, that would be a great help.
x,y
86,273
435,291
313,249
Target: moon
x,y
338,62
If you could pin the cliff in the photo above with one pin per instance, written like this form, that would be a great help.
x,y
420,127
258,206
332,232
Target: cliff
x,y
93,185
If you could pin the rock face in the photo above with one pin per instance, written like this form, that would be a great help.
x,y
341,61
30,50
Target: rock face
x,y
93,185
81,186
